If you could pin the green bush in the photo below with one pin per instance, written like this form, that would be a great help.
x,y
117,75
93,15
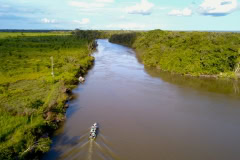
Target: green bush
x,y
194,53
36,104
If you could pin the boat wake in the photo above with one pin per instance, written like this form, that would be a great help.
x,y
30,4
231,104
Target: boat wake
x,y
90,149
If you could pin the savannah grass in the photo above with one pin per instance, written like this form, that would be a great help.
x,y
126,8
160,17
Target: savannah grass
x,y
32,100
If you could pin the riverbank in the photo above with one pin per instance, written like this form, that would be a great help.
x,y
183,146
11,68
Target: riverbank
x,y
37,73
186,117
204,54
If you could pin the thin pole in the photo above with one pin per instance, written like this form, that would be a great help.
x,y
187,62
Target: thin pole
x,y
52,65
237,69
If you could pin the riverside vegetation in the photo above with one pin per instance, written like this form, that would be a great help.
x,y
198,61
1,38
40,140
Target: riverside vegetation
x,y
32,98
189,53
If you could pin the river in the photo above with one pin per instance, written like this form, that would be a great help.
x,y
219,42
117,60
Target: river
x,y
147,114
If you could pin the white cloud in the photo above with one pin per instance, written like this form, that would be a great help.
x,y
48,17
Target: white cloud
x,y
122,17
46,20
90,5
218,7
105,1
184,12
144,8
86,5
84,21
127,26
160,8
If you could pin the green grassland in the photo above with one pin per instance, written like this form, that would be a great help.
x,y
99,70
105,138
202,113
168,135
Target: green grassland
x,y
31,99
188,53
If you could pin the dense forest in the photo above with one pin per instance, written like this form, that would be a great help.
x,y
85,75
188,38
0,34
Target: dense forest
x,y
189,53
37,73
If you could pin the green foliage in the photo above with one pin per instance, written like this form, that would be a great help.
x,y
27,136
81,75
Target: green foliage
x,y
126,39
43,144
37,103
99,34
89,34
32,100
195,53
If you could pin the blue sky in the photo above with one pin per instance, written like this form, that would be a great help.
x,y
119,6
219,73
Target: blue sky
x,y
121,14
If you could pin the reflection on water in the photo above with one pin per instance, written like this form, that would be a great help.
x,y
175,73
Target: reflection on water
x,y
223,86
148,114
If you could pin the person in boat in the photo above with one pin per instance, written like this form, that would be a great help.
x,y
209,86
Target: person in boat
x,y
93,130
93,135
94,127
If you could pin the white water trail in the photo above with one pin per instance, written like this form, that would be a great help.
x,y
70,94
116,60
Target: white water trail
x,y
90,150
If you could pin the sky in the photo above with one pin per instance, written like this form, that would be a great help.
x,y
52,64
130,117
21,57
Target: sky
x,y
222,15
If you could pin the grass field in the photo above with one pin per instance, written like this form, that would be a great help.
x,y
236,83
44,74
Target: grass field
x,y
31,98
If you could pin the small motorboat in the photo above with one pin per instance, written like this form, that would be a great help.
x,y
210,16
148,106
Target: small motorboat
x,y
93,131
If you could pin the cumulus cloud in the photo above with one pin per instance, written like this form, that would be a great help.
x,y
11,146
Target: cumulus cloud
x,y
143,8
127,26
46,20
184,12
84,21
218,7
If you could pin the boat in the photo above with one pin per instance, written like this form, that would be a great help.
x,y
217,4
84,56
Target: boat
x,y
93,131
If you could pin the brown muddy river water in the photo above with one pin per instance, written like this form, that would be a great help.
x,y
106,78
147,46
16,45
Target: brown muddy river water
x,y
145,114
